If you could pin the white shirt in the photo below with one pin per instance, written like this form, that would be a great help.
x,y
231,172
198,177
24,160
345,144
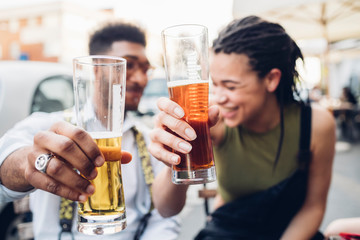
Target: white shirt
x,y
45,206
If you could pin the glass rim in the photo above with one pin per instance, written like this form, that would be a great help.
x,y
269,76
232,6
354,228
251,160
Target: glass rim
x,y
84,60
167,31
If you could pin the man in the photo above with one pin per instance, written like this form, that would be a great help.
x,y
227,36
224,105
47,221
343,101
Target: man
x,y
43,133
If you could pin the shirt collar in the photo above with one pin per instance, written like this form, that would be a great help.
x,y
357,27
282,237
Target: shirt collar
x,y
129,122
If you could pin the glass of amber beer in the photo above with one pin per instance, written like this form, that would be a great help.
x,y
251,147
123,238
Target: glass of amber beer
x,y
187,72
99,87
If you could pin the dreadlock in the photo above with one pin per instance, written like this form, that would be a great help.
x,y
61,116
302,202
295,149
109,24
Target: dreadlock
x,y
267,46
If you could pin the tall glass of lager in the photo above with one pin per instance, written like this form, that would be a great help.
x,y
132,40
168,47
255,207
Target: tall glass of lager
x,y
99,87
187,72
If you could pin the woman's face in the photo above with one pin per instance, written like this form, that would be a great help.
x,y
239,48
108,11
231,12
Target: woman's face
x,y
237,89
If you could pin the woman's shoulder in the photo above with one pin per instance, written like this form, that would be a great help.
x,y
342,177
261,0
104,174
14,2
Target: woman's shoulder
x,y
322,119
322,127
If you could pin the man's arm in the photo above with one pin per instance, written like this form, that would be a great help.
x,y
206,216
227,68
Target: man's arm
x,y
72,147
12,171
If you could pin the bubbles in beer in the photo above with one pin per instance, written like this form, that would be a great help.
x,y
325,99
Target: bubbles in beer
x,y
192,96
108,198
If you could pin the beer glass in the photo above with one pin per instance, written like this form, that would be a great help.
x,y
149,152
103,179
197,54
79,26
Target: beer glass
x,y
187,73
99,87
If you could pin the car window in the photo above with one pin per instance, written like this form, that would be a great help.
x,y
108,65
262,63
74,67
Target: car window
x,y
53,94
156,87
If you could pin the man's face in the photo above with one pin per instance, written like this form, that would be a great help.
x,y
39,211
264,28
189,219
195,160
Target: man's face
x,y
136,70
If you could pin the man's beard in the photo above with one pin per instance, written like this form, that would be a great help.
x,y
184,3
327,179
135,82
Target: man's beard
x,y
131,108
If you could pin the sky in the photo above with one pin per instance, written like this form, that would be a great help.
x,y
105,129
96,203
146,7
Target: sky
x,y
156,15
159,14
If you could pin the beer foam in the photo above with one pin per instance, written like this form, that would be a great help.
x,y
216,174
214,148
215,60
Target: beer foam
x,y
103,135
177,83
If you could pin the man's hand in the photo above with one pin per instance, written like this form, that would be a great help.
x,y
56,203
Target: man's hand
x,y
73,148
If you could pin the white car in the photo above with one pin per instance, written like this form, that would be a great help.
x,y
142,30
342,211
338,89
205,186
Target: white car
x,y
29,86
26,87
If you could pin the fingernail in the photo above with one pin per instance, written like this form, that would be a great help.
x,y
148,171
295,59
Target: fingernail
x,y
82,198
185,146
93,174
174,159
191,134
90,189
179,112
99,161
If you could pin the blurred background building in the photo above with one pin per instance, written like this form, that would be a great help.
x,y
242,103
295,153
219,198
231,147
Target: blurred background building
x,y
327,31
48,31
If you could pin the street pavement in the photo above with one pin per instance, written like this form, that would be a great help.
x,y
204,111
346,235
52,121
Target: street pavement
x,y
343,198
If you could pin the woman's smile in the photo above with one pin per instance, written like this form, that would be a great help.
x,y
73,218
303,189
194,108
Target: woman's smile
x,y
227,112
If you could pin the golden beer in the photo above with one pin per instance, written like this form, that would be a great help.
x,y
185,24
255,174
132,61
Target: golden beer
x,y
108,197
99,90
192,96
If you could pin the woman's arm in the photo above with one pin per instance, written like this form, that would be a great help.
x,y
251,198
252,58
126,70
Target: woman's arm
x,y
307,221
169,198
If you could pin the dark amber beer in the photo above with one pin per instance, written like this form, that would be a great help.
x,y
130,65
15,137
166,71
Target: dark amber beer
x,y
198,165
187,73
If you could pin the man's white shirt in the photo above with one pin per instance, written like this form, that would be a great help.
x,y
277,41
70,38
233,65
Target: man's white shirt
x,y
45,206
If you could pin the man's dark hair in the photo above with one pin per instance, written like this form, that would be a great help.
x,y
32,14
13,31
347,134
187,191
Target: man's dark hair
x,y
102,39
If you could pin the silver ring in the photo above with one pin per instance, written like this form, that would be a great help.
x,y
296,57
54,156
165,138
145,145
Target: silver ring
x,y
42,161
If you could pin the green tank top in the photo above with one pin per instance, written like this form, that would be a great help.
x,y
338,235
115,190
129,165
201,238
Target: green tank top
x,y
245,160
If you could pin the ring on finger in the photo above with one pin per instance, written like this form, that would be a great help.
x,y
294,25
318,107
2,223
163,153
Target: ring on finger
x,y
42,162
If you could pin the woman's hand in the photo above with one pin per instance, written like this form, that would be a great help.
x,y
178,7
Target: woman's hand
x,y
162,140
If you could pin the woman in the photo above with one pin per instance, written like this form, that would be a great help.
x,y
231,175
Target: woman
x,y
264,190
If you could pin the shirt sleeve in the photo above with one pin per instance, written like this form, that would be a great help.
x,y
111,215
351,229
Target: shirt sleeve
x,y
7,195
22,135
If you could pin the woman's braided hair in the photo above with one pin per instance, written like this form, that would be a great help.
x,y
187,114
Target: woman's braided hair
x,y
268,46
